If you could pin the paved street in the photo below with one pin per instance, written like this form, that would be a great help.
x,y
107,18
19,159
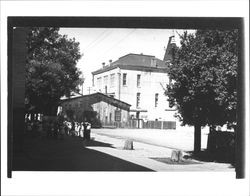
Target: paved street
x,y
182,138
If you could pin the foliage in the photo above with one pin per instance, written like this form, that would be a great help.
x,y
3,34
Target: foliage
x,y
204,72
51,70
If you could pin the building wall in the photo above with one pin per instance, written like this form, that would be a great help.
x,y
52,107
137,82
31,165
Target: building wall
x,y
150,84
99,82
106,113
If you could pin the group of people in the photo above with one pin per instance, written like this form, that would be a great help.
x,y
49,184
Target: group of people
x,y
78,129
58,128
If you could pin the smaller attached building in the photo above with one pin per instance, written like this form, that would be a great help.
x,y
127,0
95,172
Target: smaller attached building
x,y
97,108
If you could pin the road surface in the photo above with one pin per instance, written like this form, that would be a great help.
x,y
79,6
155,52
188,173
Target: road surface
x,y
182,138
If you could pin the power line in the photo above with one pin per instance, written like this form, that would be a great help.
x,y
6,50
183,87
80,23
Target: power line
x,y
120,41
102,36
95,40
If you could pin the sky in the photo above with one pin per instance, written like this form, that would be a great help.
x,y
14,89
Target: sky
x,y
98,45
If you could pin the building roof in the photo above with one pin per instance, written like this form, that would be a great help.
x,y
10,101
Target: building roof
x,y
98,97
135,62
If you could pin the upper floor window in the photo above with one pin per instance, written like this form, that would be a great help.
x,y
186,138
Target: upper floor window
x,y
138,99
112,80
105,80
99,82
124,79
138,80
156,99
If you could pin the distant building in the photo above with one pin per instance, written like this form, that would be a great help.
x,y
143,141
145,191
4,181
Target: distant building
x,y
139,80
97,108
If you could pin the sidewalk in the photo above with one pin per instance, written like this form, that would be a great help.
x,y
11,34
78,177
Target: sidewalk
x,y
153,157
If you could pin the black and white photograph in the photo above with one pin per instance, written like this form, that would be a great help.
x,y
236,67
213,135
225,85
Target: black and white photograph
x,y
107,99
121,96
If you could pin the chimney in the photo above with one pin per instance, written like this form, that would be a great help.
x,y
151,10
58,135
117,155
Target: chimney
x,y
110,61
103,64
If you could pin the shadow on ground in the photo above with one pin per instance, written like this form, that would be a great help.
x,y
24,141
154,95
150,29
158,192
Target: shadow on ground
x,y
92,142
219,156
168,160
69,154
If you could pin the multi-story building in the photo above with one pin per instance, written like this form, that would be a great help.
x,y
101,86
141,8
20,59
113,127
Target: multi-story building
x,y
139,80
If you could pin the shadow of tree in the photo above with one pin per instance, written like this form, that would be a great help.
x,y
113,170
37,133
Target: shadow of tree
x,y
168,160
220,156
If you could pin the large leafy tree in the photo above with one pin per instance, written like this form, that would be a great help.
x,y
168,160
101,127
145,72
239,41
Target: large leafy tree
x,y
51,70
204,74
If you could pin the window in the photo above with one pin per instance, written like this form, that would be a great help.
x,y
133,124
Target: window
x,y
112,80
138,80
99,82
156,99
105,80
124,79
138,97
118,115
106,90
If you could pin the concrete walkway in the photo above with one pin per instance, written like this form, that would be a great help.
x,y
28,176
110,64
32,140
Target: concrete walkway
x,y
153,157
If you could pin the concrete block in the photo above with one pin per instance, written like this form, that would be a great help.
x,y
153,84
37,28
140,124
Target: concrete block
x,y
128,145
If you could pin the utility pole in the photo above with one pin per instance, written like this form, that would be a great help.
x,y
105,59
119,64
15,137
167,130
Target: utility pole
x,y
89,88
82,79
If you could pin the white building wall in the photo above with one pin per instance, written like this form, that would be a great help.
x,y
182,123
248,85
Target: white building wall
x,y
150,84
111,88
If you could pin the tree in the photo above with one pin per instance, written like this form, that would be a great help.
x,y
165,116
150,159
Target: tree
x,y
204,71
51,70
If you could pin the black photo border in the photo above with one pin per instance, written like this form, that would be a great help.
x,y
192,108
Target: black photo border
x,y
135,22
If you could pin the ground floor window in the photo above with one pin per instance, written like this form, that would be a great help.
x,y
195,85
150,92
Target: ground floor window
x,y
118,115
138,99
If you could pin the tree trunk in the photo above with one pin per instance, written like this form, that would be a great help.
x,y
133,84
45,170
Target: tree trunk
x,y
197,138
211,139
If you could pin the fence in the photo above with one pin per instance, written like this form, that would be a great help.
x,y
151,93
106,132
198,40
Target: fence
x,y
159,125
135,123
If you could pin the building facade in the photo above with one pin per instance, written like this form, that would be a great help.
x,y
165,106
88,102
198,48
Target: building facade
x,y
99,109
139,80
